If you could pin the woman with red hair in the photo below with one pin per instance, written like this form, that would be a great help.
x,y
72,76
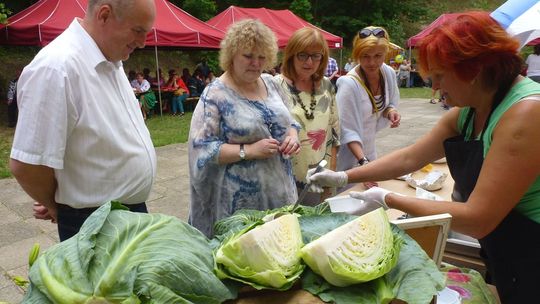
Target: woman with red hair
x,y
490,139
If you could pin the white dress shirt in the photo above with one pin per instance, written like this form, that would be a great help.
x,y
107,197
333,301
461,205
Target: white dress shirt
x,y
79,116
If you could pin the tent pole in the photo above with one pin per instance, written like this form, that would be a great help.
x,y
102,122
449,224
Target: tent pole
x,y
158,82
340,59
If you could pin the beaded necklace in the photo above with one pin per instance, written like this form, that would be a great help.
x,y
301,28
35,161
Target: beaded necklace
x,y
309,115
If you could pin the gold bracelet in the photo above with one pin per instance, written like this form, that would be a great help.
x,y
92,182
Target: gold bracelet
x,y
390,110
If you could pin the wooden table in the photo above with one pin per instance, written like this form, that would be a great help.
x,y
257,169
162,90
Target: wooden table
x,y
402,187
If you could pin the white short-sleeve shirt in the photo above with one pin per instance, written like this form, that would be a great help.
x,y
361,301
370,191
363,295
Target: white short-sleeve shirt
x,y
78,115
533,65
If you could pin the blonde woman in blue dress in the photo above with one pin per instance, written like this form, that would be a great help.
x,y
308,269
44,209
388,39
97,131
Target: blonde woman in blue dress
x,y
312,102
242,135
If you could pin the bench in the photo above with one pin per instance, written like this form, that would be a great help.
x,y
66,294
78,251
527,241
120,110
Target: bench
x,y
190,103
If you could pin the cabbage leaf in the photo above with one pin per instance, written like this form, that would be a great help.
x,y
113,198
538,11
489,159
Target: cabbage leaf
x,y
358,251
263,255
414,279
125,257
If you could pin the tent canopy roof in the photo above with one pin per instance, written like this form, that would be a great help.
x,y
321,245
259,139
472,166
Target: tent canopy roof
x,y
40,23
414,40
282,22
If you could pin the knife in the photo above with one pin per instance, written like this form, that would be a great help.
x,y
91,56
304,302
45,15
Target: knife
x,y
304,192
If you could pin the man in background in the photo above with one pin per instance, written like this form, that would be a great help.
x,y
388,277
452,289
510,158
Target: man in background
x,y
332,70
349,65
12,110
81,140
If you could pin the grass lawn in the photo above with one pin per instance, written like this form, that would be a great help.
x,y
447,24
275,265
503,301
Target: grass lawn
x,y
165,130
416,92
6,137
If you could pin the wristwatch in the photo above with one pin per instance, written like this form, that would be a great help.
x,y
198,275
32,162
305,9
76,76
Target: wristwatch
x,y
364,160
242,153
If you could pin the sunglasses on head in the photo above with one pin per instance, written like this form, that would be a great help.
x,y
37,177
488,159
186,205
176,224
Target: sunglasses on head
x,y
377,32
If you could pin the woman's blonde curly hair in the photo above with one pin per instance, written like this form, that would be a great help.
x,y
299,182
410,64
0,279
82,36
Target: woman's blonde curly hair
x,y
248,34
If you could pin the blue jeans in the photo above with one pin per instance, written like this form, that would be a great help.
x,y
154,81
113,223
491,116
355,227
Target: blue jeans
x,y
177,103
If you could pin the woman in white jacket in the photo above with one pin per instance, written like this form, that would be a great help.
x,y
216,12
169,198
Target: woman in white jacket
x,y
367,99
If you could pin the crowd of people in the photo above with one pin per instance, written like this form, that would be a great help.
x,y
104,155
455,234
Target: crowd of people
x,y
255,137
175,89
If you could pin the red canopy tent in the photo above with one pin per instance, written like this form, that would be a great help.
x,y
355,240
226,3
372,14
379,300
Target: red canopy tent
x,y
413,41
40,23
534,42
282,22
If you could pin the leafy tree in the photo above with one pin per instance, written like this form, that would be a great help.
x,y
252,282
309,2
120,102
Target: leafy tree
x,y
202,9
4,13
302,8
16,6
270,4
350,16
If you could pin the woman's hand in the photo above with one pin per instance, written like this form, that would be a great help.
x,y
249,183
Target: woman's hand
x,y
394,117
290,146
262,149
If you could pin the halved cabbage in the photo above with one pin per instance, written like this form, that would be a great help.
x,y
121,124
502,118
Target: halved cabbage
x,y
359,251
267,256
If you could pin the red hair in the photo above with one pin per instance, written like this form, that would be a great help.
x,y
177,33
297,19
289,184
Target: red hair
x,y
470,44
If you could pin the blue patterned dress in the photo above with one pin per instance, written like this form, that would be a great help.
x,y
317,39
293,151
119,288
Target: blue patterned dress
x,y
223,116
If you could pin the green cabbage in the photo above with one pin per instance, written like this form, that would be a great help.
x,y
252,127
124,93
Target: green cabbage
x,y
415,279
125,257
263,256
358,251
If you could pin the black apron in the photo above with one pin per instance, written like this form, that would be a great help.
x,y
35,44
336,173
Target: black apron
x,y
511,252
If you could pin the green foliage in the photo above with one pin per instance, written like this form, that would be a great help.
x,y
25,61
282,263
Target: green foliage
x,y
4,13
271,4
6,138
302,8
350,16
202,9
402,19
18,5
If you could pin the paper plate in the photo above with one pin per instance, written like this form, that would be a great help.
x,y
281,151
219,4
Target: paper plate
x,y
440,161
448,296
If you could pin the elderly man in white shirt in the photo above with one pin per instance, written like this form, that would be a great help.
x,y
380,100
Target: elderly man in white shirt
x,y
81,139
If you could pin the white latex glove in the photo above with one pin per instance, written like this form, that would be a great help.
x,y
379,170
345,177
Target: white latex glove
x,y
374,194
326,178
